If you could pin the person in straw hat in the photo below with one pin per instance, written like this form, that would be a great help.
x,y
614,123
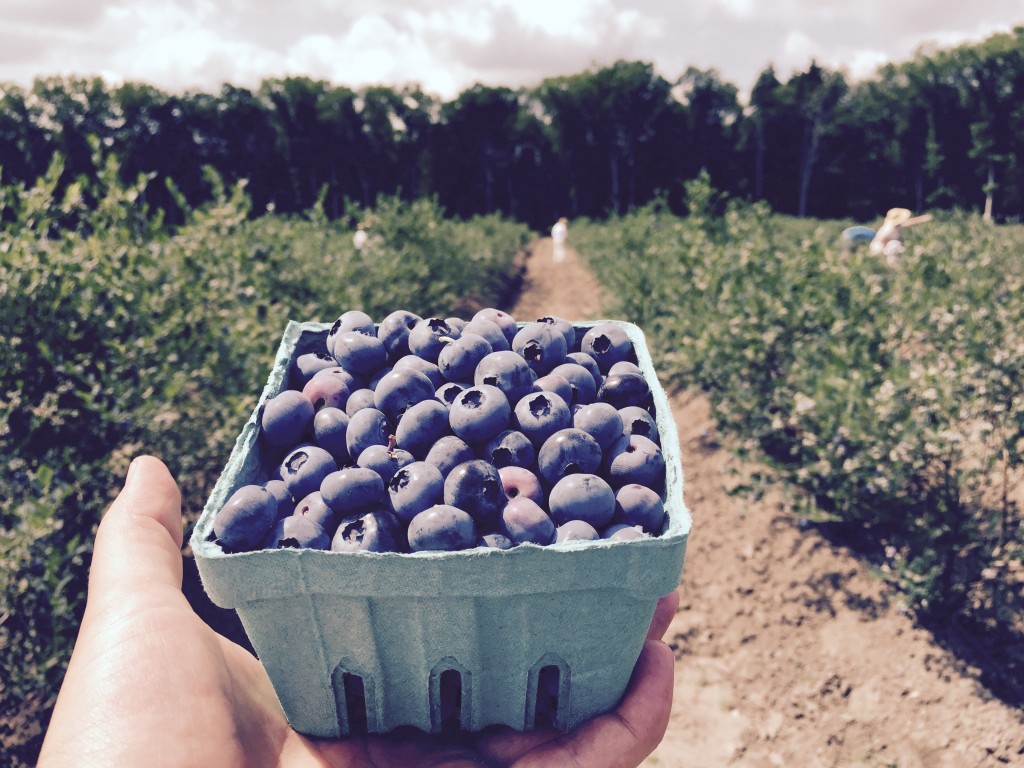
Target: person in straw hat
x,y
887,239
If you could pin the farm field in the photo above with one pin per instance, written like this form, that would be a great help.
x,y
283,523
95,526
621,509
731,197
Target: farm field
x,y
866,419
790,650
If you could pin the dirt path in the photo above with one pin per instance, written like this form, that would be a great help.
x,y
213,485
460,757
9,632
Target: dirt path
x,y
790,653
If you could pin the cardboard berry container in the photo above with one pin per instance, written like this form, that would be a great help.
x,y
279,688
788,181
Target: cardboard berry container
x,y
367,642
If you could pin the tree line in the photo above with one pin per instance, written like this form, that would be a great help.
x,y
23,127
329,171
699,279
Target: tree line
x,y
942,130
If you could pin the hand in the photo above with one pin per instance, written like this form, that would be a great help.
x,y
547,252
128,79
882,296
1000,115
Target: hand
x,y
150,684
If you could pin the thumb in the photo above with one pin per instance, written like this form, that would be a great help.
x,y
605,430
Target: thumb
x,y
138,542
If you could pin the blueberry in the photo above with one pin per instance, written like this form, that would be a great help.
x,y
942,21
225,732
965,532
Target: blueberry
x,y
635,459
582,497
568,452
313,507
286,418
353,489
495,541
359,353
367,427
607,343
353,320
541,415
479,413
552,382
541,345
638,421
442,527
489,331
372,531
503,320
305,468
588,362
394,332
625,366
637,504
429,336
242,523
384,461
414,488
509,448
401,389
427,368
330,388
523,521
330,427
360,399
308,364
576,530
582,381
564,327
508,372
601,421
296,532
625,389
421,426
448,452
476,487
519,481
622,532
285,502
457,324
458,359
447,393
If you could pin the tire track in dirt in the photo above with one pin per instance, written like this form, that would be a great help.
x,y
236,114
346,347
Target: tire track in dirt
x,y
790,652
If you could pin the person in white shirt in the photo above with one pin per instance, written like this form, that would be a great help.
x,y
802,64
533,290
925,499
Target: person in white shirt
x,y
559,235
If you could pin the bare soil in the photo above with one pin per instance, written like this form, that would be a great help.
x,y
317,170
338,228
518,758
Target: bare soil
x,y
790,652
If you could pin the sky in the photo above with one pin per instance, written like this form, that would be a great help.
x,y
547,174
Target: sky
x,y
446,46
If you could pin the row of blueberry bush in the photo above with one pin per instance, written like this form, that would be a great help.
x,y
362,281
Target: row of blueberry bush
x,y
890,397
122,336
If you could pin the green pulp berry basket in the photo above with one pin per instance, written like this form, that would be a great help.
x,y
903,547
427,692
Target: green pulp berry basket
x,y
367,642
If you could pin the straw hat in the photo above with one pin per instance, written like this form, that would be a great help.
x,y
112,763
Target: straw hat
x,y
897,216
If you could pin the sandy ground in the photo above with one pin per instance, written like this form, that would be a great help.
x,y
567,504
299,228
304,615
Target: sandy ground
x,y
789,651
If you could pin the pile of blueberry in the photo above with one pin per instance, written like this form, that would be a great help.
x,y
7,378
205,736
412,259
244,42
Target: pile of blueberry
x,y
441,434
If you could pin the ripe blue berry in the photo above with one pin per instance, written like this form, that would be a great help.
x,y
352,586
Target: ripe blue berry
x,y
607,343
384,461
639,421
305,468
421,426
448,452
567,452
479,413
367,427
635,459
476,488
582,497
429,336
625,389
242,523
601,421
353,489
576,530
508,372
541,345
414,488
637,504
442,528
541,415
509,448
296,532
523,520
401,389
330,426
394,332
372,531
458,359
286,418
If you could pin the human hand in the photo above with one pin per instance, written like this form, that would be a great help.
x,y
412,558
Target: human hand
x,y
150,684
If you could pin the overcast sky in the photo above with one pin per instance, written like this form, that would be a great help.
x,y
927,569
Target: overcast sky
x,y
447,45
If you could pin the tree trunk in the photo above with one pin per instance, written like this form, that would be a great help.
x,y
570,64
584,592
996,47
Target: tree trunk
x,y
614,169
990,188
759,161
807,167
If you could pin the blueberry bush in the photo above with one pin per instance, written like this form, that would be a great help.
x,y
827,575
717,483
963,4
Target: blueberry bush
x,y
889,397
122,335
